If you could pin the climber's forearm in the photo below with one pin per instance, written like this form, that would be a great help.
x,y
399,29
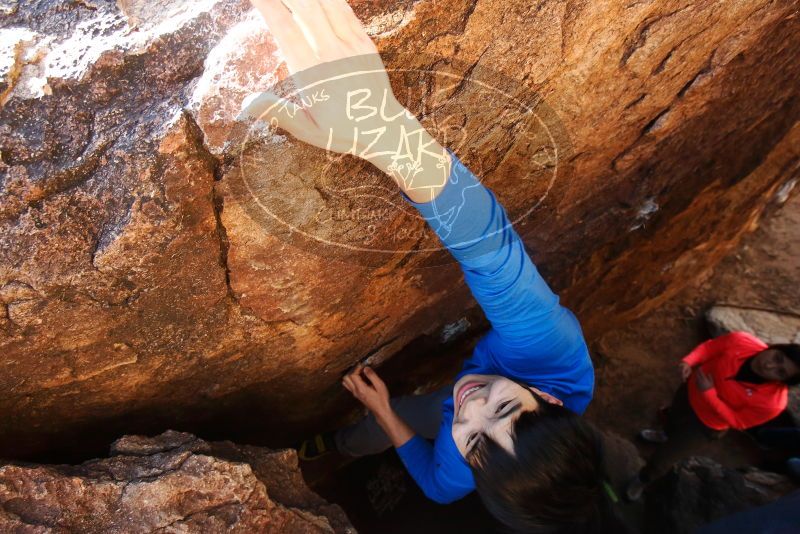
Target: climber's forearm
x,y
365,385
395,428
408,153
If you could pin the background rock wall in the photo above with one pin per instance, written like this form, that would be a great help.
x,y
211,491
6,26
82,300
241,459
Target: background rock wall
x,y
140,289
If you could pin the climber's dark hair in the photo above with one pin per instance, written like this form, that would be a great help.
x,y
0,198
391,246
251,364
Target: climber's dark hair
x,y
555,481
791,351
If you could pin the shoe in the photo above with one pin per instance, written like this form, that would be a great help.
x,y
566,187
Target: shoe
x,y
316,447
653,436
635,489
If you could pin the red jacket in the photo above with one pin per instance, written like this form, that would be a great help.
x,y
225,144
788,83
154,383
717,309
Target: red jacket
x,y
731,403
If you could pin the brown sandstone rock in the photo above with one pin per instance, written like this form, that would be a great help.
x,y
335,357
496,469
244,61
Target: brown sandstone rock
x,y
139,287
173,482
771,326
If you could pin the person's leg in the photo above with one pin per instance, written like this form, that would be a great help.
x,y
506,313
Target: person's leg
x,y
682,442
423,413
686,434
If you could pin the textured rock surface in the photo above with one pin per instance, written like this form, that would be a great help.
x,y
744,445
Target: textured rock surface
x,y
770,326
173,482
699,490
137,287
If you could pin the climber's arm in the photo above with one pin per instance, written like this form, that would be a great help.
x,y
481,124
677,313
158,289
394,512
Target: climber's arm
x,y
465,215
740,418
371,391
425,462
359,113
721,407
430,466
534,329
706,351
395,427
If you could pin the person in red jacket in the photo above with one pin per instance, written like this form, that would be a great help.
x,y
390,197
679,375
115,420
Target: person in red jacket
x,y
732,381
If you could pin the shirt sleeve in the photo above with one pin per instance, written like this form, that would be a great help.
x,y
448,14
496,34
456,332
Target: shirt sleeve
x,y
747,417
419,457
722,345
707,351
719,406
475,229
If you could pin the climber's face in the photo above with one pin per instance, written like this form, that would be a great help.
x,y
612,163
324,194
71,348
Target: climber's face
x,y
489,405
772,364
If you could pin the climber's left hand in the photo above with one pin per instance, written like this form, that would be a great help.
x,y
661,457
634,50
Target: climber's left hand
x,y
343,100
340,78
365,385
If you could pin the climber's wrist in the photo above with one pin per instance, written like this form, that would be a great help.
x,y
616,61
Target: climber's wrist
x,y
410,155
394,426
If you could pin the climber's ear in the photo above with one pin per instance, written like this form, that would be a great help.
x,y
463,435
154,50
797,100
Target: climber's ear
x,y
547,397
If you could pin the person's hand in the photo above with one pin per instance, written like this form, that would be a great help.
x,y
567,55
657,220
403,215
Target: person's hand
x,y
338,73
367,387
704,381
343,100
686,371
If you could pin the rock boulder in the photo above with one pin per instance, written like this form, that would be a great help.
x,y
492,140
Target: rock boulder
x,y
771,326
173,482
161,262
699,490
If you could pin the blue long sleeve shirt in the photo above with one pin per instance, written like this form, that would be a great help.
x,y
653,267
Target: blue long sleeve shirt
x,y
532,339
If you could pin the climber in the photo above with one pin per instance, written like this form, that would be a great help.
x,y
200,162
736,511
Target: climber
x,y
509,425
732,381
